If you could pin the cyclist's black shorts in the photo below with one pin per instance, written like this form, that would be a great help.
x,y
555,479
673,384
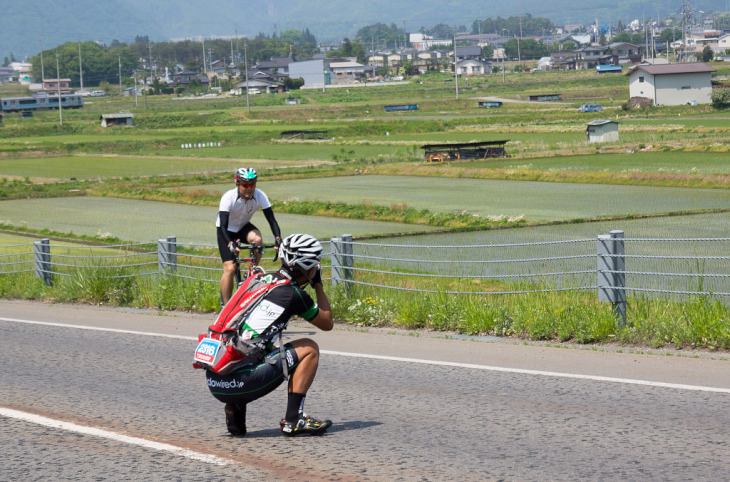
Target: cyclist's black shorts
x,y
252,381
226,254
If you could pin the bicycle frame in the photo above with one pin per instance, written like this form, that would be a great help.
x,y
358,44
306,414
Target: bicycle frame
x,y
253,267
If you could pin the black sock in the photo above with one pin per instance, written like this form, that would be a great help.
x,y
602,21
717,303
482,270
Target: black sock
x,y
294,406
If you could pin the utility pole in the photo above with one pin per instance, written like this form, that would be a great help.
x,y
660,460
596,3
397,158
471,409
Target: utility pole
x,y
519,57
149,47
204,55
456,72
81,71
58,85
245,68
136,101
119,57
43,77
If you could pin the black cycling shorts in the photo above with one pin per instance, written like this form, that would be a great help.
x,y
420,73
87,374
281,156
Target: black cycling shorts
x,y
226,254
252,381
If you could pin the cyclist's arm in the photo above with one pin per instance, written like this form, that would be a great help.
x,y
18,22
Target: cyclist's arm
x,y
323,320
269,214
223,216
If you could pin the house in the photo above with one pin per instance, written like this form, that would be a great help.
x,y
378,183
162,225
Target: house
x,y
7,74
468,52
671,84
583,39
473,67
563,60
421,41
723,44
348,71
602,131
184,78
625,53
590,57
52,86
315,73
275,66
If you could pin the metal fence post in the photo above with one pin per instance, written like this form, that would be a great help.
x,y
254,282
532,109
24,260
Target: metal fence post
x,y
348,260
610,272
336,257
172,253
42,260
167,255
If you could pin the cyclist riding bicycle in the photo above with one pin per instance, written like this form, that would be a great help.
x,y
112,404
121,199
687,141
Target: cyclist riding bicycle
x,y
300,256
233,223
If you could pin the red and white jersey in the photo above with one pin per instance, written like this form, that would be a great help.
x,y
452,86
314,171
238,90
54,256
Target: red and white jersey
x,y
241,210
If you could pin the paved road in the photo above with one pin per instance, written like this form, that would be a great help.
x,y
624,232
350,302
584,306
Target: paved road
x,y
405,407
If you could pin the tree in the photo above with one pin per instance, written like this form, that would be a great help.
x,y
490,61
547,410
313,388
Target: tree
x,y
569,46
408,68
528,49
6,61
707,54
380,35
487,52
720,98
293,84
350,49
670,35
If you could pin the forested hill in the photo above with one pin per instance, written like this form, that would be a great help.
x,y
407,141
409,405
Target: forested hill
x,y
25,25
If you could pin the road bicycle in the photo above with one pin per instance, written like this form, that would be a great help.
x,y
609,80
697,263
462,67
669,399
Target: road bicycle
x,y
253,267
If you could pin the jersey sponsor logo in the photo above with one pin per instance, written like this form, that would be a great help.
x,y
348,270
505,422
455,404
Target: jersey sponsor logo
x,y
263,315
223,384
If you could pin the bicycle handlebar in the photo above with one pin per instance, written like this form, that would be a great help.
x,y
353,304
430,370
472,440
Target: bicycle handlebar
x,y
253,247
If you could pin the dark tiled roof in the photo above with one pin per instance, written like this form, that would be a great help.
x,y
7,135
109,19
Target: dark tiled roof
x,y
689,68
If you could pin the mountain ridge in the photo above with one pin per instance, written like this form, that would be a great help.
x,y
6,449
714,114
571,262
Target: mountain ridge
x,y
23,30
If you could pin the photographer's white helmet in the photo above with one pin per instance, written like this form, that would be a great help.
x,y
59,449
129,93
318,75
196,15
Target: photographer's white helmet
x,y
300,251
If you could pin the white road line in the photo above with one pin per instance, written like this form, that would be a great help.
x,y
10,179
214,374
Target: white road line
x,y
97,432
94,328
627,381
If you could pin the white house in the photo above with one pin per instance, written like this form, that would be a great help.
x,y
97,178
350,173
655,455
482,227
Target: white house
x,y
347,72
473,67
672,84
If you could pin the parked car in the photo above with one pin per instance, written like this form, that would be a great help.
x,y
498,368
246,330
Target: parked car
x,y
590,108
97,93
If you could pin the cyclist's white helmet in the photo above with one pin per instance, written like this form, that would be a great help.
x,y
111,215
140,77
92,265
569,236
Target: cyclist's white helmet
x,y
246,174
300,251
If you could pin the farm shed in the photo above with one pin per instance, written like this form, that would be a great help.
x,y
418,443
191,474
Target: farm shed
x,y
120,119
468,150
305,135
602,131
544,97
672,84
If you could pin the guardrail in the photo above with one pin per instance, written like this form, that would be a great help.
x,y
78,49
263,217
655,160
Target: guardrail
x,y
610,264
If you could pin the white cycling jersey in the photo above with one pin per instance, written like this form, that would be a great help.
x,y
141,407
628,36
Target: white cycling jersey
x,y
240,210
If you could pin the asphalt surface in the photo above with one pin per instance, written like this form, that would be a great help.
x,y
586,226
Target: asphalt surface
x,y
404,407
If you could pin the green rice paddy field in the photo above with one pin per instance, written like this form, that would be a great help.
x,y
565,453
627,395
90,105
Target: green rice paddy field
x,y
536,201
144,221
